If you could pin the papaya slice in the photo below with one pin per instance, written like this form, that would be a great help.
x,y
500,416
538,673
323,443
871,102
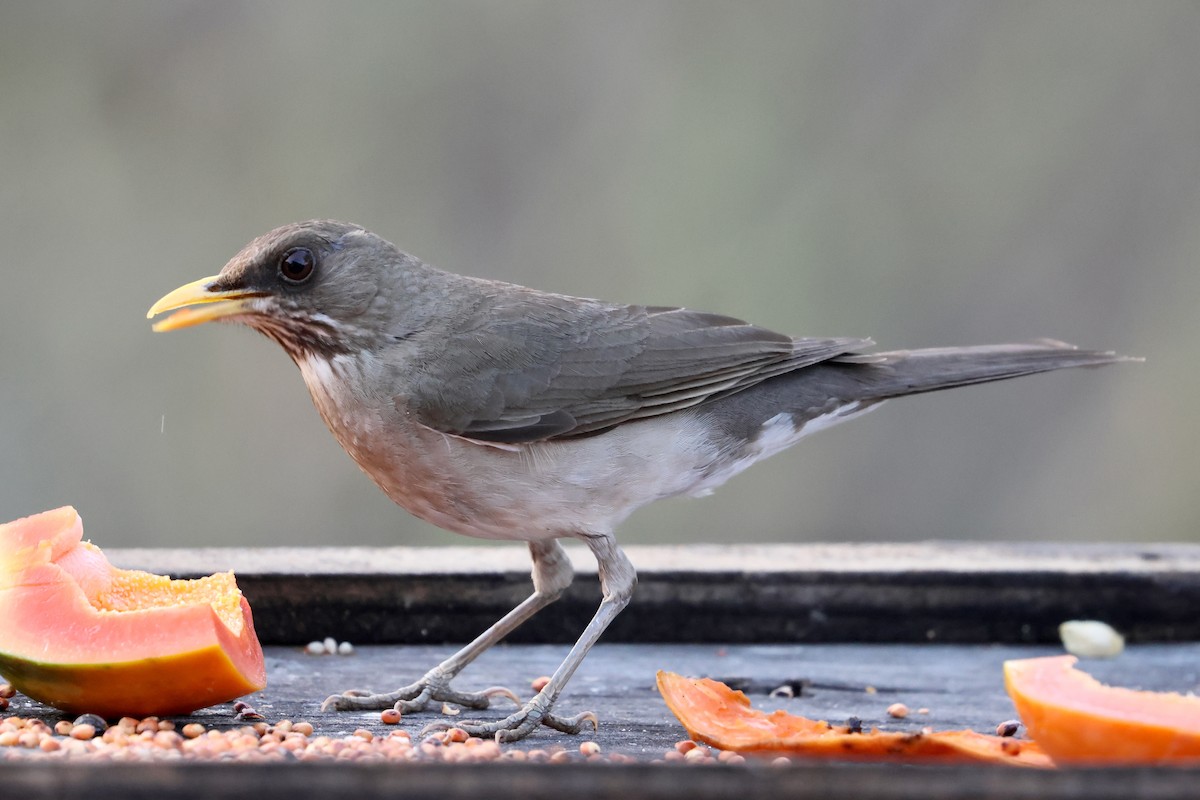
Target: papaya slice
x,y
1079,720
722,717
81,635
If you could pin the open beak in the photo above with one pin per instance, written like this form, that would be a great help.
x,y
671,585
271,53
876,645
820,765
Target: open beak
x,y
213,305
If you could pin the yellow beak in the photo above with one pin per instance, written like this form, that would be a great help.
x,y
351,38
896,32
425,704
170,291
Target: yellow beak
x,y
216,305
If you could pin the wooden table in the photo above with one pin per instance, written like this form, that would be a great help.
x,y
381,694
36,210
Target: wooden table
x,y
926,625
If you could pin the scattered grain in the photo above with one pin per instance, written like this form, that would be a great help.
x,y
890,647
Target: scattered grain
x,y
389,716
540,683
154,739
897,710
83,731
193,730
1008,728
95,720
730,757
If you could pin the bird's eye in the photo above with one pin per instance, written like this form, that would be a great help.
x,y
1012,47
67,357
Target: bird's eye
x,y
297,265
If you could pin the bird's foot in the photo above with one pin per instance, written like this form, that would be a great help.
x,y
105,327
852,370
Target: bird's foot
x,y
434,687
520,724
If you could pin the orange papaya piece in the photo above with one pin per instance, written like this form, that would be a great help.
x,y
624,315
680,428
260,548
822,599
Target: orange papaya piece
x,y
722,717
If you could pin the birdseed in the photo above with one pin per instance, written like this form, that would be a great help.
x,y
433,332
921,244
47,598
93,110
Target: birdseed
x,y
154,739
1008,728
82,731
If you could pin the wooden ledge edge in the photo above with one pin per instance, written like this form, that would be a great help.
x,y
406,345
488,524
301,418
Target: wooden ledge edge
x,y
699,559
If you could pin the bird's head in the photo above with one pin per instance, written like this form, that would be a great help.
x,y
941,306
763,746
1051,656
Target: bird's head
x,y
317,287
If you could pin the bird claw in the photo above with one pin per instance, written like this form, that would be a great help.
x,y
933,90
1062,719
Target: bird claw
x,y
572,725
440,726
415,697
501,691
519,725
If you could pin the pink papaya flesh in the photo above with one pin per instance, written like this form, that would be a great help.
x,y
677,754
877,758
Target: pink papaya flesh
x,y
81,635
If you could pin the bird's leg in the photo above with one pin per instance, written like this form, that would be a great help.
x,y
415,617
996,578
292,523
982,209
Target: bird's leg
x,y
552,574
617,580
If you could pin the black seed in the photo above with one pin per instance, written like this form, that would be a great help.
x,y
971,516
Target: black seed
x,y
95,720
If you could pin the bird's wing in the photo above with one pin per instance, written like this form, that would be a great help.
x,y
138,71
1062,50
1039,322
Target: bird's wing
x,y
532,366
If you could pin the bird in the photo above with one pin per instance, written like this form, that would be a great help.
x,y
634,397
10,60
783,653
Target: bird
x,y
503,412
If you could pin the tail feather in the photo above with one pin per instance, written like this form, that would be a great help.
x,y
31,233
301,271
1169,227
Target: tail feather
x,y
901,372
823,394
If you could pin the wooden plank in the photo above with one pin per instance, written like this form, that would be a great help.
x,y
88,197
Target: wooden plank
x,y
960,685
586,781
944,592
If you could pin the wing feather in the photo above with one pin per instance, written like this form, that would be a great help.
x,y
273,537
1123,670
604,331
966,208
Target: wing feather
x,y
530,366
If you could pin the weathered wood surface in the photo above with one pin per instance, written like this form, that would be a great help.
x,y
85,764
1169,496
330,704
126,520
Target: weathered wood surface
x,y
588,781
758,617
945,592
960,685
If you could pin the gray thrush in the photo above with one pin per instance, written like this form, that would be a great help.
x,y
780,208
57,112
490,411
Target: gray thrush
x,y
502,412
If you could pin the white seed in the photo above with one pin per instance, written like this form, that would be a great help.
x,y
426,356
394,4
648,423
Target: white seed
x,y
1089,638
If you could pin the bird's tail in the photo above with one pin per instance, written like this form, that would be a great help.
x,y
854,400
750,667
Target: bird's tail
x,y
903,372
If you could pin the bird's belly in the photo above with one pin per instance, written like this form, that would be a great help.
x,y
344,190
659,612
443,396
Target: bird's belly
x,y
543,490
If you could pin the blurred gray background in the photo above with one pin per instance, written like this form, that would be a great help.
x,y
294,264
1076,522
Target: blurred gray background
x,y
926,173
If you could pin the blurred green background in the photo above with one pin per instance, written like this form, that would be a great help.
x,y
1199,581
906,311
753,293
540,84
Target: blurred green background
x,y
926,173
